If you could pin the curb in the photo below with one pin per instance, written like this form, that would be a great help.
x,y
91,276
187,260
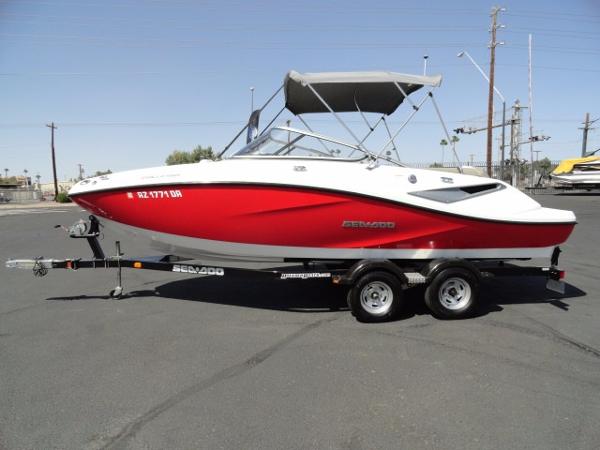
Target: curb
x,y
37,205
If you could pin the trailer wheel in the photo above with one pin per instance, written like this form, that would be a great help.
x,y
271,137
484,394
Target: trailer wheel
x,y
376,297
116,293
452,294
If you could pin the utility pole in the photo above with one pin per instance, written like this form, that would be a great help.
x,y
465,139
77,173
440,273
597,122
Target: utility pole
x,y
515,138
531,174
493,43
52,128
80,171
586,128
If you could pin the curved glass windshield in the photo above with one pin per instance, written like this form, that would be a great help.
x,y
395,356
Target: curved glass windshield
x,y
288,142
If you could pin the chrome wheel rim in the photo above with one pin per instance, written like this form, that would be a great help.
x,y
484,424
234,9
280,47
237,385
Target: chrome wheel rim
x,y
454,293
376,298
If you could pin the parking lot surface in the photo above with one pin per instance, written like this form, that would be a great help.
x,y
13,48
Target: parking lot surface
x,y
188,362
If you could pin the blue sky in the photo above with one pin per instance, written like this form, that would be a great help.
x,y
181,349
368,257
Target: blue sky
x,y
129,81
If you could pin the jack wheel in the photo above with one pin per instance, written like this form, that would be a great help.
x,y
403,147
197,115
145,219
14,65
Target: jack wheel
x,y
116,293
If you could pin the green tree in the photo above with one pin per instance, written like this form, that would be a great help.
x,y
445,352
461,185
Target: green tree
x,y
443,144
544,165
196,155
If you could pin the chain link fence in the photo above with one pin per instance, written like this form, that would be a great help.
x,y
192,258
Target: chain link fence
x,y
19,195
521,174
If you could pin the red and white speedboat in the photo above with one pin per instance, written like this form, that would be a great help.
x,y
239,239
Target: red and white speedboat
x,y
293,194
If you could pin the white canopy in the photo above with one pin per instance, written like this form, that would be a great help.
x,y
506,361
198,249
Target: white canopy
x,y
344,91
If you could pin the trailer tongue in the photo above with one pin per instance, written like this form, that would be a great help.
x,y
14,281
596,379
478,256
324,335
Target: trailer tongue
x,y
375,286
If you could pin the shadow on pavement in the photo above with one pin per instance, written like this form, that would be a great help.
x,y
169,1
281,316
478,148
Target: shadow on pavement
x,y
289,295
496,292
314,296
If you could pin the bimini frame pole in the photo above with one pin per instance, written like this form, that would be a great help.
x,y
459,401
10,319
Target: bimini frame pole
x,y
373,127
363,116
437,110
412,114
371,130
391,137
360,145
415,107
247,124
271,122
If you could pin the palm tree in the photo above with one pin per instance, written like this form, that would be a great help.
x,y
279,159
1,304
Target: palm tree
x,y
5,173
443,143
454,139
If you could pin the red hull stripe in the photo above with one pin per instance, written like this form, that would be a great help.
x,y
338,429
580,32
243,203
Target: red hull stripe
x,y
288,216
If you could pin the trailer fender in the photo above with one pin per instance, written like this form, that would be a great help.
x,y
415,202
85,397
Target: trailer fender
x,y
365,266
433,268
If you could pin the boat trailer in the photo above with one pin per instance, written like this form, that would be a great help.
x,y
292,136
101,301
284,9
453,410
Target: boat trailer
x,y
374,286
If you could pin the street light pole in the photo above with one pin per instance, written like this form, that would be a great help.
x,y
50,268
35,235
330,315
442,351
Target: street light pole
x,y
503,137
52,128
483,74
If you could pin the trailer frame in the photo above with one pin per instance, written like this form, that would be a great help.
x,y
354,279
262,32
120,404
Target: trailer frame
x,y
370,282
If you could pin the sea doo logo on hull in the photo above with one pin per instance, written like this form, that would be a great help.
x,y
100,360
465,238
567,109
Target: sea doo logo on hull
x,y
362,224
200,270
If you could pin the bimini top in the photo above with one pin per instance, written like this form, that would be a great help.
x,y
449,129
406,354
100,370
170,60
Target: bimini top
x,y
567,165
351,91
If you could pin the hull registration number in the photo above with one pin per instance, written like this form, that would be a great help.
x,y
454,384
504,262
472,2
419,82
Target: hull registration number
x,y
171,193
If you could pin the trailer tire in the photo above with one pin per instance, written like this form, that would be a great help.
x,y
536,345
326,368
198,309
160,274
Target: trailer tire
x,y
452,294
375,297
116,293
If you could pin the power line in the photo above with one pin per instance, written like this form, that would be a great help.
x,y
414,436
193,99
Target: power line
x,y
125,124
560,18
440,65
553,49
279,45
551,13
261,7
211,27
481,118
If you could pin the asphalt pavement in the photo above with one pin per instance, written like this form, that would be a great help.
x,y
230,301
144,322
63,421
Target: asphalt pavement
x,y
205,363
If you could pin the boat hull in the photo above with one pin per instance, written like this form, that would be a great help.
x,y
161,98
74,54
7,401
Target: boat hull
x,y
578,180
274,223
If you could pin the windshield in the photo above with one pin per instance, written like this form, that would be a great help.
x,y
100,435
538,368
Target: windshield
x,y
288,142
